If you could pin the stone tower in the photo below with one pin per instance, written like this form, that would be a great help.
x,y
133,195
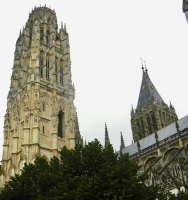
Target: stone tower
x,y
152,113
41,116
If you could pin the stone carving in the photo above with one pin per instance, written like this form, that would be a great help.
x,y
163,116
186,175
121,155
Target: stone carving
x,y
26,101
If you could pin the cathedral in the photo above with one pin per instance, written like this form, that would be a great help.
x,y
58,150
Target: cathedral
x,y
160,139
41,117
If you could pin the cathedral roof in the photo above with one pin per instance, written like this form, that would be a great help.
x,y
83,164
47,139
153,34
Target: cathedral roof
x,y
165,135
148,92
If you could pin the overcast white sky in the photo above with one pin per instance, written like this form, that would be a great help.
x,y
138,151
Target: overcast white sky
x,y
107,39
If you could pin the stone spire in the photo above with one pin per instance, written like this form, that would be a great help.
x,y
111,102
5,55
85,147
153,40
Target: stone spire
x,y
107,140
152,113
122,142
147,91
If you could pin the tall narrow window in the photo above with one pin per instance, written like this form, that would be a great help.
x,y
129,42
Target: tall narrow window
x,y
47,67
149,124
47,36
154,121
56,69
41,64
43,129
60,124
61,72
43,106
41,33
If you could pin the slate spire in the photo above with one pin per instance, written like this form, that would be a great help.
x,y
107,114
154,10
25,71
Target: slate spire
x,y
107,140
147,91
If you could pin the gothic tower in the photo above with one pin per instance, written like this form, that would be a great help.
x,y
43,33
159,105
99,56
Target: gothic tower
x,y
41,116
152,113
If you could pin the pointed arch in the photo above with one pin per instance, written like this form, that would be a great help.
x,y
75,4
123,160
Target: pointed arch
x,y
62,104
170,153
44,98
149,162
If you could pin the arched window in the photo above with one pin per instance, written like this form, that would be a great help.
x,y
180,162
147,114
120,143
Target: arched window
x,y
56,69
61,72
138,126
172,118
153,121
61,124
43,106
47,36
41,64
47,67
142,124
41,33
149,124
164,115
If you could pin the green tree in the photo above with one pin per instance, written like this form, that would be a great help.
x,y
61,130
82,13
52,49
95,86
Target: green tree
x,y
89,172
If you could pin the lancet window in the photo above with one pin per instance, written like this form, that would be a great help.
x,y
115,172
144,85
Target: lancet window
x,y
61,72
47,67
41,64
153,121
149,124
142,124
41,33
61,124
56,69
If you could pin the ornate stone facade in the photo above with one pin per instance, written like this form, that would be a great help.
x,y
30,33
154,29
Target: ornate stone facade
x,y
160,140
163,156
41,117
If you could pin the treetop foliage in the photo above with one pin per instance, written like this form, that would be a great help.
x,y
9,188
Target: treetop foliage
x,y
83,173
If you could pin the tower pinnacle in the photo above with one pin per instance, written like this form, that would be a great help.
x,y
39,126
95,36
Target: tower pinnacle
x,y
107,140
122,142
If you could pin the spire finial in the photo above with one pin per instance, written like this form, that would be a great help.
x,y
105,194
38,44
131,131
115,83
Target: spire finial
x,y
142,64
146,70
107,140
